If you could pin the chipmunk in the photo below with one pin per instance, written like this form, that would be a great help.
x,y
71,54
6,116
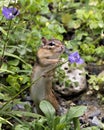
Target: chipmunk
x,y
48,56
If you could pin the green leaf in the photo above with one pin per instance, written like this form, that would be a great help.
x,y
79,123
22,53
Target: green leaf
x,y
61,126
91,128
24,79
4,66
63,118
2,96
3,31
21,127
17,57
23,113
15,69
2,120
4,70
11,79
101,24
56,121
66,18
96,87
76,112
14,62
47,108
89,58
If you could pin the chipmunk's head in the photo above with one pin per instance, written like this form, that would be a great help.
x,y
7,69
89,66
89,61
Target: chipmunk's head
x,y
53,46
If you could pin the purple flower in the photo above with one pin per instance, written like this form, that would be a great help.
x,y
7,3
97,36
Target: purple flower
x,y
75,58
9,13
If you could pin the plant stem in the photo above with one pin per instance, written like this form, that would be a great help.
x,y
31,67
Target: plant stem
x,y
5,44
76,123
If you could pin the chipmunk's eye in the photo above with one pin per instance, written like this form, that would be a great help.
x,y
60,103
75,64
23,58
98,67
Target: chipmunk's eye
x,y
51,43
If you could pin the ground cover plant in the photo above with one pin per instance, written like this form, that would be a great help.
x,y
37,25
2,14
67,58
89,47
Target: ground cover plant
x,y
22,25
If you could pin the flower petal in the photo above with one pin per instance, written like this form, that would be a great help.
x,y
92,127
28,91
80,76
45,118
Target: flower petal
x,y
9,13
81,61
75,58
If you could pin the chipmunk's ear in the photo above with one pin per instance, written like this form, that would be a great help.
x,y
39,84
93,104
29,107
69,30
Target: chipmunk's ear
x,y
44,40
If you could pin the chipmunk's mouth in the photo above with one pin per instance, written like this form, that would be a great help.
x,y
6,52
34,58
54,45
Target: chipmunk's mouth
x,y
61,49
